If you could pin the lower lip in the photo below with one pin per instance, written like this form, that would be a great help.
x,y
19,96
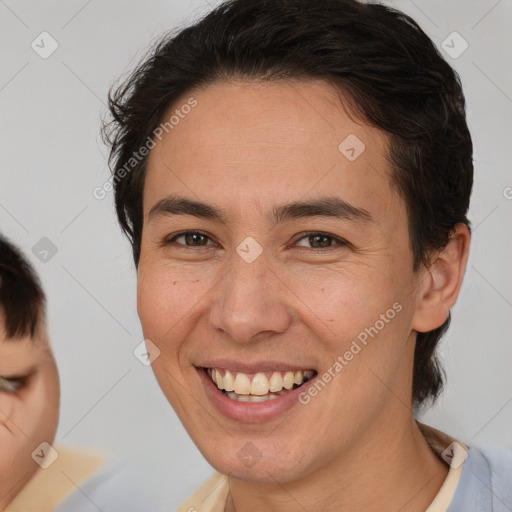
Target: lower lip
x,y
249,412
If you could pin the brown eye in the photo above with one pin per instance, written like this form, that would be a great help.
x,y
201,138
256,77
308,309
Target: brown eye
x,y
195,239
320,241
191,239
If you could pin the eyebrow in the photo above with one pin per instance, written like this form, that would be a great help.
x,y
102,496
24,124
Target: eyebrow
x,y
330,206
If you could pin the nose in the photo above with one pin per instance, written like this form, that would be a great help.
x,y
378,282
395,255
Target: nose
x,y
250,302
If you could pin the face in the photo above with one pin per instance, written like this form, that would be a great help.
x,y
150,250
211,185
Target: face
x,y
296,264
29,403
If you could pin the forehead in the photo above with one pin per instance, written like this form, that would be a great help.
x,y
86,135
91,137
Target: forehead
x,y
19,355
35,345
272,141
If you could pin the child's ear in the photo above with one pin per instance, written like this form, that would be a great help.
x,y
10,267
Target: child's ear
x,y
441,281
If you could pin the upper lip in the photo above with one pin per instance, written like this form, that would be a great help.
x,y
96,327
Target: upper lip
x,y
258,367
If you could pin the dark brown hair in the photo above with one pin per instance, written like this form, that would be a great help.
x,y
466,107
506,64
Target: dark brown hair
x,y
21,296
377,56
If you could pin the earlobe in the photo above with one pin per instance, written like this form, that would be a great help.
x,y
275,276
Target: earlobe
x,y
441,281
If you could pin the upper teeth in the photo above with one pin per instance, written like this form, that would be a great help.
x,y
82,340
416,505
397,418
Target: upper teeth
x,y
260,384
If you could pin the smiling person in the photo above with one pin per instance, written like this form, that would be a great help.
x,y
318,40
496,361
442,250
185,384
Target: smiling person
x,y
294,178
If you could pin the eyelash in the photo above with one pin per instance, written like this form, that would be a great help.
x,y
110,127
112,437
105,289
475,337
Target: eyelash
x,y
340,241
12,384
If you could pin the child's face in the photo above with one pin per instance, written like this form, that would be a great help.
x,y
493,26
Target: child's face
x,y
29,406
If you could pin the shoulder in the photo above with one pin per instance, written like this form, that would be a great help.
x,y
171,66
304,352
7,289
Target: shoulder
x,y
486,482
120,485
210,496
66,469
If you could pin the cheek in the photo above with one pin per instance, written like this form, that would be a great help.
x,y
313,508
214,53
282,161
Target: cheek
x,y
361,319
334,312
161,301
42,405
166,304
169,302
33,417
343,302
14,459
167,291
6,407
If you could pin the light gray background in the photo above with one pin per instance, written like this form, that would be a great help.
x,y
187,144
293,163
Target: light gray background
x,y
52,158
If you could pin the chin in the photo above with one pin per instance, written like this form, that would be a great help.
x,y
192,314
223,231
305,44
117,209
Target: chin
x,y
255,461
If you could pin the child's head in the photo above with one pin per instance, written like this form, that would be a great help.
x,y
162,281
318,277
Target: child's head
x,y
29,384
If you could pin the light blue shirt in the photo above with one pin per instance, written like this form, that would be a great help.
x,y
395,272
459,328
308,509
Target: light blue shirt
x,y
485,483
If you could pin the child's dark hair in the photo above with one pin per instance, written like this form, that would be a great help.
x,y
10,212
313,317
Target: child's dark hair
x,y
22,299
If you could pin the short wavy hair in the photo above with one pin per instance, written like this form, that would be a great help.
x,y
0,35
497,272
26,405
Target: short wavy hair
x,y
391,72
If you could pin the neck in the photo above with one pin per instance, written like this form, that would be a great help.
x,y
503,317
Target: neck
x,y
392,468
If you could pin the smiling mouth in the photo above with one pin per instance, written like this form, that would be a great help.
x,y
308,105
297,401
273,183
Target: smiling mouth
x,y
258,387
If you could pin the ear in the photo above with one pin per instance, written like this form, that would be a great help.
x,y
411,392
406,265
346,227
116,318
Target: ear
x,y
441,281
